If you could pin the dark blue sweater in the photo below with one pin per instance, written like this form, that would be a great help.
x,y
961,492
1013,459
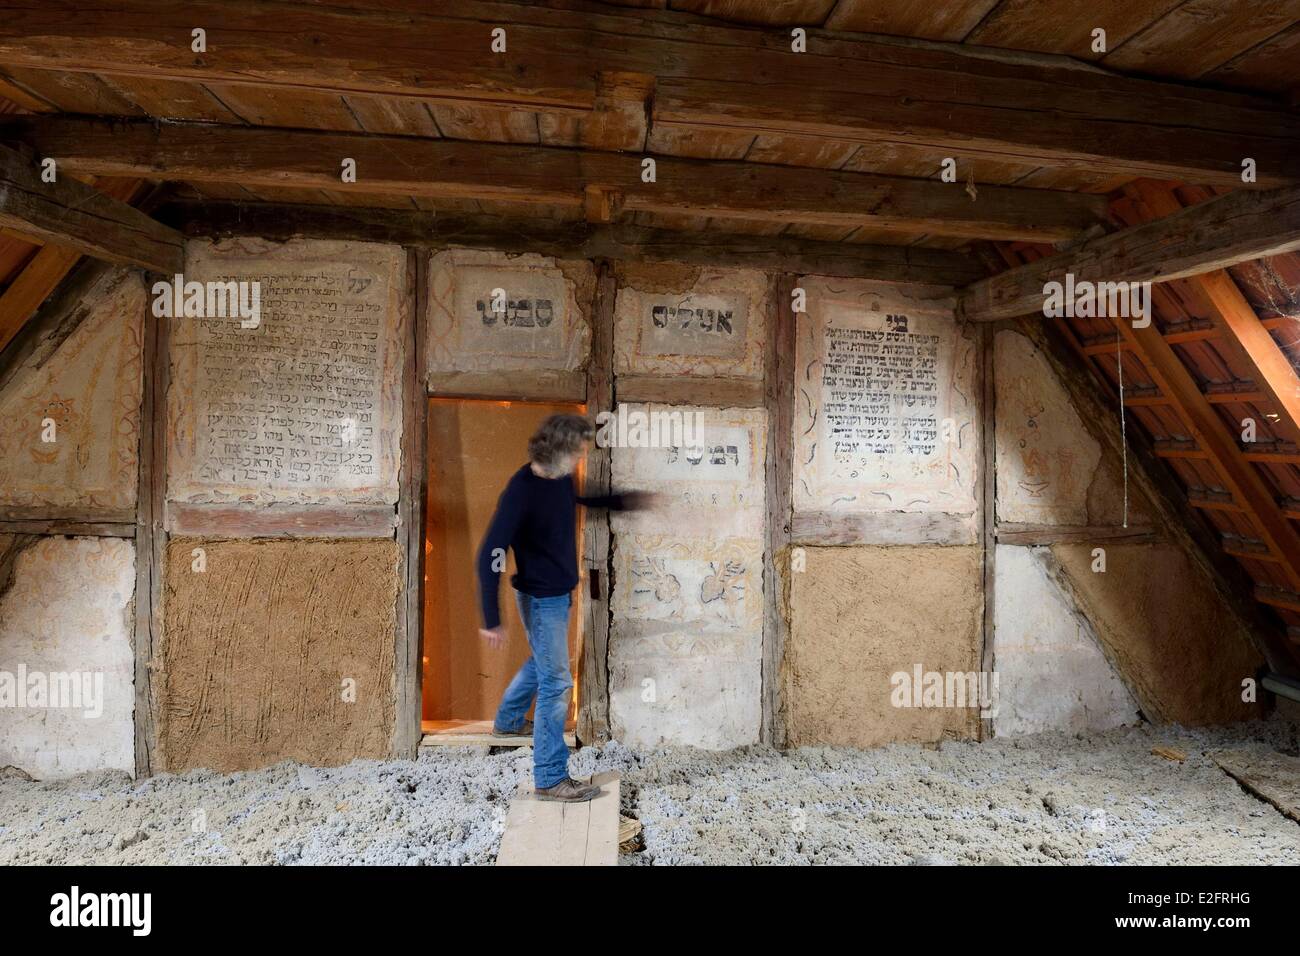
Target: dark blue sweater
x,y
537,518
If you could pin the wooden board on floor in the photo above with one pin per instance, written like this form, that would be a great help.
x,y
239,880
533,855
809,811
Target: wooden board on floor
x,y
546,833
475,733
1270,775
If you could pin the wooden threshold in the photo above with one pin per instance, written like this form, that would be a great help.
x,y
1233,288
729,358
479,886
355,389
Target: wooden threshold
x,y
478,733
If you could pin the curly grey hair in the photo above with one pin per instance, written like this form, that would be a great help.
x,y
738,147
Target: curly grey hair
x,y
558,436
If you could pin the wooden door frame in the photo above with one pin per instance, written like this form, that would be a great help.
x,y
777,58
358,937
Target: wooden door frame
x,y
593,670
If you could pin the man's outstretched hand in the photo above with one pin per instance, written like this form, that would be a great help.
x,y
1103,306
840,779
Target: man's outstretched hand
x,y
495,636
640,500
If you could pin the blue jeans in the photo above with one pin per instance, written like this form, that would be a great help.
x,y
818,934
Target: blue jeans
x,y
546,675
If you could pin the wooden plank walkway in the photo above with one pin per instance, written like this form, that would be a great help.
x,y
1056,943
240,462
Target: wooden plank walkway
x,y
476,733
1270,775
546,833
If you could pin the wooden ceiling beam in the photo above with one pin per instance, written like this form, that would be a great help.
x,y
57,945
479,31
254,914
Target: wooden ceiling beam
x,y
71,214
441,168
1212,235
577,240
951,100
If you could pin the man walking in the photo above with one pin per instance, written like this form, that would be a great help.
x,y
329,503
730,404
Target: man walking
x,y
536,517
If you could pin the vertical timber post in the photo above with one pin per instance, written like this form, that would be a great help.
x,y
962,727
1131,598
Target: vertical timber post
x,y
987,503
778,397
593,715
411,489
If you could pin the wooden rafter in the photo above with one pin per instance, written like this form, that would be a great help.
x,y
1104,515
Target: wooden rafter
x,y
42,275
1237,331
1182,242
1214,443
69,213
31,287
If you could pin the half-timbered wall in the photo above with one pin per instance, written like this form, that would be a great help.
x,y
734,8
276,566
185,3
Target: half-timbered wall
x,y
867,488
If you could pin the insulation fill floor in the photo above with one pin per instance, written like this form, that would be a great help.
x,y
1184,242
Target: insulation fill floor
x,y
1049,799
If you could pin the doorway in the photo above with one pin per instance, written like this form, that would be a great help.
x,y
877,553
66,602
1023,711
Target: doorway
x,y
474,447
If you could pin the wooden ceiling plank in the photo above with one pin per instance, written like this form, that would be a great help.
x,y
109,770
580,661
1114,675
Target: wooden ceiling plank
x,y
432,168
728,78
24,98
268,106
1066,26
70,213
396,115
907,18
1197,36
759,12
1211,235
76,92
1270,66
173,99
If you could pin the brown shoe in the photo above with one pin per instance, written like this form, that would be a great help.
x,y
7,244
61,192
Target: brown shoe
x,y
525,731
568,790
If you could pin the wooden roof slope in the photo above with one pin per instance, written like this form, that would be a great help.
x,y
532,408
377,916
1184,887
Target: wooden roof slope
x,y
1220,356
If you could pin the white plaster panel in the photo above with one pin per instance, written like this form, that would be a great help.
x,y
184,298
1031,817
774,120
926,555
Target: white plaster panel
x,y
715,328
90,388
886,414
307,406
543,326
687,602
1052,674
68,612
1046,459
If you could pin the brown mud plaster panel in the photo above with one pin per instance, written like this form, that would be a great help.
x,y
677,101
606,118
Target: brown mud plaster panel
x,y
263,649
490,313
306,407
860,615
690,322
89,389
1167,630
886,419
1050,468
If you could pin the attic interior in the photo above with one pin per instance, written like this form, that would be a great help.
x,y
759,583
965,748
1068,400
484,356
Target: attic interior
x,y
825,229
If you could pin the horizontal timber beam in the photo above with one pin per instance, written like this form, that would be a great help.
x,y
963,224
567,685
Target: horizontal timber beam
x,y
280,521
1212,235
55,526
449,169
73,215
851,89
576,240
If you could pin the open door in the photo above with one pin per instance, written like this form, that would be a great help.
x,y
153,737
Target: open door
x,y
474,447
